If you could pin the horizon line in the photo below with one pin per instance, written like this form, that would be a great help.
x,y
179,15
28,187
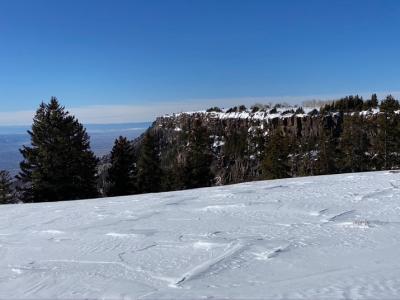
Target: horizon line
x,y
143,113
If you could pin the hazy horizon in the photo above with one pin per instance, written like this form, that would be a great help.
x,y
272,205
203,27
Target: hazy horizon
x,y
102,137
123,114
134,60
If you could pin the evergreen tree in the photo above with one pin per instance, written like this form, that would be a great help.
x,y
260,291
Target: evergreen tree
x,y
388,139
174,177
122,173
374,101
275,162
327,147
236,155
6,191
354,145
173,161
197,168
59,164
148,166
389,105
256,147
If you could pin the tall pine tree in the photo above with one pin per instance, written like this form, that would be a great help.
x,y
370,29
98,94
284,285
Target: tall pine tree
x,y
327,148
197,168
59,164
122,173
354,145
148,166
6,191
374,101
388,145
275,162
236,157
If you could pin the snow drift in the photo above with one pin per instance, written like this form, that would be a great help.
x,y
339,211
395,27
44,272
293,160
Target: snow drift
x,y
315,237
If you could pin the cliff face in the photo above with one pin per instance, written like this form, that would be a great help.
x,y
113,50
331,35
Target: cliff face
x,y
237,140
221,124
279,143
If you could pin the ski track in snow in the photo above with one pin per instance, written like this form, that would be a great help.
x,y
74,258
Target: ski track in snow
x,y
325,237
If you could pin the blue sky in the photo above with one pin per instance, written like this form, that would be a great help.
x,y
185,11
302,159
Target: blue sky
x,y
151,56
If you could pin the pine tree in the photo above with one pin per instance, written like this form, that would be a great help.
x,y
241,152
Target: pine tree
x,y
354,145
275,162
59,164
6,191
388,145
122,173
236,154
148,166
327,147
374,101
197,168
389,105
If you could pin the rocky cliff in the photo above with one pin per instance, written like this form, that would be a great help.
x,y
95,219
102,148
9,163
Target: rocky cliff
x,y
309,142
237,139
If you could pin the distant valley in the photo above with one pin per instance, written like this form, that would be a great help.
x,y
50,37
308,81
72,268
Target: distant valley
x,y
102,137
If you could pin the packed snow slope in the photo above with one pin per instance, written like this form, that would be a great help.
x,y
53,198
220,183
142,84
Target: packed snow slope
x,y
316,237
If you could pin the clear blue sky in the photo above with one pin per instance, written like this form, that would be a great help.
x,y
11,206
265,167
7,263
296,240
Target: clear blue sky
x,y
137,52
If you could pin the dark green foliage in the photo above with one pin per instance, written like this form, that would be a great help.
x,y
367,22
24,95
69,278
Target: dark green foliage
x,y
6,190
388,144
288,111
122,173
197,172
327,149
372,103
236,143
232,109
356,103
275,163
340,139
256,148
59,164
148,166
242,108
174,177
273,110
214,109
346,104
314,112
389,105
354,145
235,155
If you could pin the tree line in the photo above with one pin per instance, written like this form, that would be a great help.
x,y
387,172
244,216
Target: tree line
x,y
60,165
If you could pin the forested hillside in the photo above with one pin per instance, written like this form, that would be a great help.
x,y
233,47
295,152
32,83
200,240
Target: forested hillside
x,y
267,142
206,148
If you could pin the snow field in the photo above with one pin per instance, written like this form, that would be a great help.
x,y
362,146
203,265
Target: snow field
x,y
320,237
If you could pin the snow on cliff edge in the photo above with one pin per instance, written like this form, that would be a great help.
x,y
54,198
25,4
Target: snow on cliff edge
x,y
330,237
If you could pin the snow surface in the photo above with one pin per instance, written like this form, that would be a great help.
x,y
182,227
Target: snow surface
x,y
326,237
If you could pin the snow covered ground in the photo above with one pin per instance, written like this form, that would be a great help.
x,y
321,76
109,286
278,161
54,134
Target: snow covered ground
x,y
316,237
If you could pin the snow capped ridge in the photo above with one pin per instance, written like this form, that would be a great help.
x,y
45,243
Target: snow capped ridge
x,y
323,237
281,112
